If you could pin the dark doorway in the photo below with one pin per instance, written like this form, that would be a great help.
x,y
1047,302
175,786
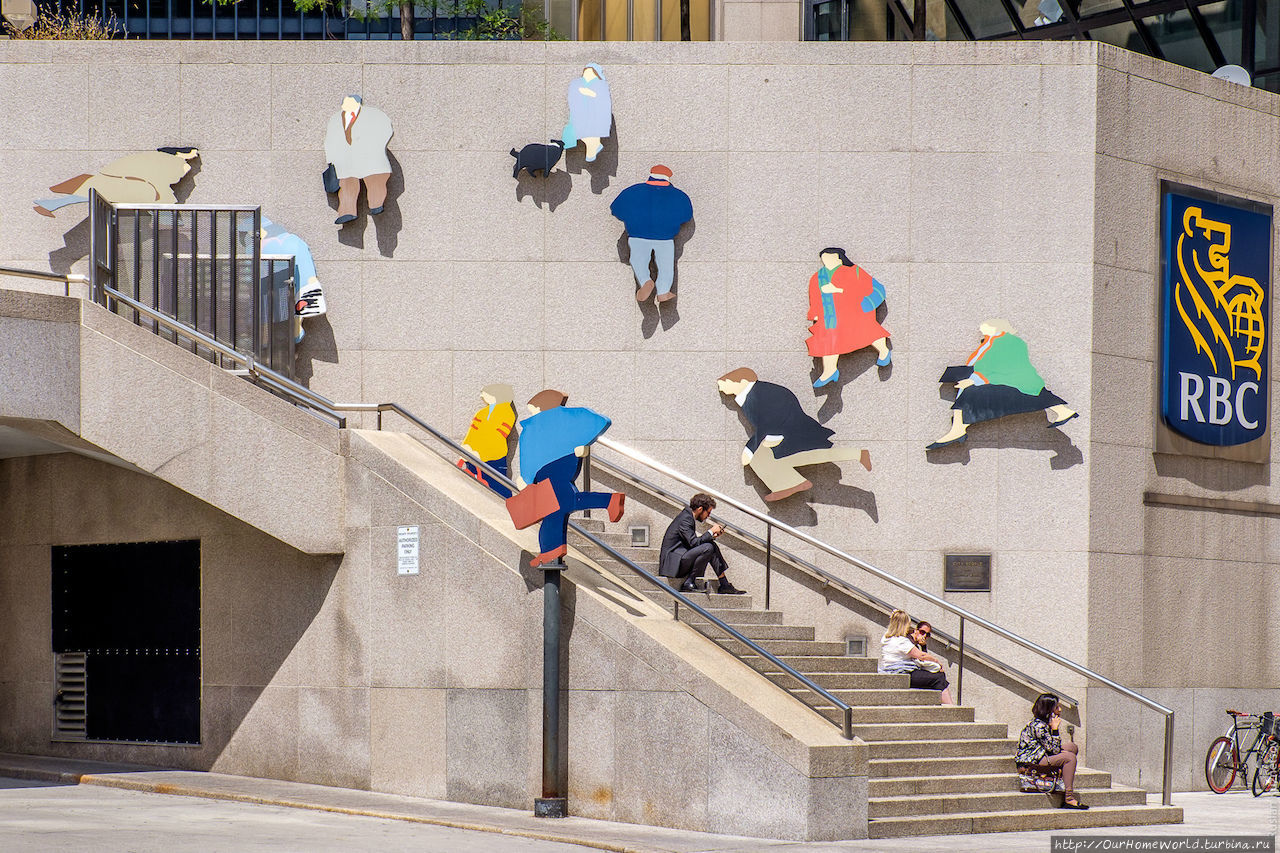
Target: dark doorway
x,y
133,611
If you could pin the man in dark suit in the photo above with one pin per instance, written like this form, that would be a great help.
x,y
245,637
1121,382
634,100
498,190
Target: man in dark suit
x,y
783,438
687,555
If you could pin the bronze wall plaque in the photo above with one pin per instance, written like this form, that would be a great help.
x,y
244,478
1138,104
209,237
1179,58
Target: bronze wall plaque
x,y
967,573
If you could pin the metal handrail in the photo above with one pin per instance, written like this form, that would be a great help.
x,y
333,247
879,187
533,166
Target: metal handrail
x,y
66,278
962,613
680,598
266,375
766,544
306,397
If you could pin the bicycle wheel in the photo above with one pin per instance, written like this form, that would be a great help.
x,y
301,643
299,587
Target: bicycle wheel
x,y
1264,778
1220,765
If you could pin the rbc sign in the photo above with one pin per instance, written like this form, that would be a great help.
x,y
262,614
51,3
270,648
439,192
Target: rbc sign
x,y
1215,310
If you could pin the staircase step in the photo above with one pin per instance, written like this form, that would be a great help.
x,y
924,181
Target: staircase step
x,y
929,731
879,768
912,714
870,696
836,681
997,801
830,663
968,748
738,616
774,632
843,680
970,784
712,600
1021,820
783,648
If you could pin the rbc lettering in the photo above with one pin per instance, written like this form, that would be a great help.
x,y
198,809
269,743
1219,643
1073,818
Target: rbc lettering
x,y
1221,403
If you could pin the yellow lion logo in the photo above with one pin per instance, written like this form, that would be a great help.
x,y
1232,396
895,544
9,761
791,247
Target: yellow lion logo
x,y
1228,308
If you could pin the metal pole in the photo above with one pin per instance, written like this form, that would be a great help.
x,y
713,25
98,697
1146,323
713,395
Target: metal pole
x,y
768,563
1248,33
960,673
586,477
1168,760
552,803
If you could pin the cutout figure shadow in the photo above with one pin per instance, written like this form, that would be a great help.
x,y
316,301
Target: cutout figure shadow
x,y
827,489
318,345
1026,430
75,242
651,313
387,224
854,365
605,165
552,191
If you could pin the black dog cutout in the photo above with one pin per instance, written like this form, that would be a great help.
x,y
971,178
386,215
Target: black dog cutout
x,y
537,157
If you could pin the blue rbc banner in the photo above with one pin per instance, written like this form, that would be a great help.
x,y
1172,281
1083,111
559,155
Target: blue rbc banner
x,y
1215,309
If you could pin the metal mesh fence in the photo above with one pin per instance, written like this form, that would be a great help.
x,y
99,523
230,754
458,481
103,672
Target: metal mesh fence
x,y
203,267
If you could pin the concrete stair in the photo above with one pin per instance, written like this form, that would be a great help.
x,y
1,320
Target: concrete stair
x,y
933,769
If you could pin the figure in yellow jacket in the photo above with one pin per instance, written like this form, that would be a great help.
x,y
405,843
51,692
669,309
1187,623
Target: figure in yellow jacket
x,y
487,437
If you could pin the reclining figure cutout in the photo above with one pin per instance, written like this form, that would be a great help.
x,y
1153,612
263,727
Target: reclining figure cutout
x,y
146,178
783,438
998,380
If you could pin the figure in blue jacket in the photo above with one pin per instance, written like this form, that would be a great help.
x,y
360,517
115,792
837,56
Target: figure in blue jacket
x,y
553,440
653,213
308,295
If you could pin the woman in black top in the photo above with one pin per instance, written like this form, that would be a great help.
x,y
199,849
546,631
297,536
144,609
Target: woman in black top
x,y
1040,744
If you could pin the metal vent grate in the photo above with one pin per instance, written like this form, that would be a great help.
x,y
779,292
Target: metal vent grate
x,y
69,698
855,647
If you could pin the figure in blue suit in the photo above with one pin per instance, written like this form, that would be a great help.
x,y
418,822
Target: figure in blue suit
x,y
553,440
653,213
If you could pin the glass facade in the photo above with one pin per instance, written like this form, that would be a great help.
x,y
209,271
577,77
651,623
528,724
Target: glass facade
x,y
587,20
1194,33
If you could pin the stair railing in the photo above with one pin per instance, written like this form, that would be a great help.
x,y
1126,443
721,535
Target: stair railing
x,y
308,399
772,524
678,598
772,551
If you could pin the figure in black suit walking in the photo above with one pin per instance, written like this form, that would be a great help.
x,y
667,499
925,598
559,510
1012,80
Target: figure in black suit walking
x,y
783,438
687,555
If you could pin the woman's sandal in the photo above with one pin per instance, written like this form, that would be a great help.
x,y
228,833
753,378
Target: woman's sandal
x,y
1067,797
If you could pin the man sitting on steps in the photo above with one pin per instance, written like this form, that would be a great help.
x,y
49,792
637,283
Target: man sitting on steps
x,y
686,555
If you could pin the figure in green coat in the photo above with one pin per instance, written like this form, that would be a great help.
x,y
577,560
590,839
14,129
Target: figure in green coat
x,y
998,380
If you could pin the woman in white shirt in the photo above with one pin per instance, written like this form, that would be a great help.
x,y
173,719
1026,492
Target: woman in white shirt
x,y
899,655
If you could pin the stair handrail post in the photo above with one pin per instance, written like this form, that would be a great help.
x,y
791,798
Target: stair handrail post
x,y
586,475
553,802
768,563
960,671
1167,792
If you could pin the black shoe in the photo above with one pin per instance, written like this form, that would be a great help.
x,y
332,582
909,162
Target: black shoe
x,y
727,588
1079,806
688,587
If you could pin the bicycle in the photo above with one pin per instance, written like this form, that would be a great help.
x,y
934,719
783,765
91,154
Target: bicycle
x,y
1267,776
1223,760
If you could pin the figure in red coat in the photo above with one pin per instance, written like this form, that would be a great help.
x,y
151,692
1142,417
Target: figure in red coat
x,y
843,299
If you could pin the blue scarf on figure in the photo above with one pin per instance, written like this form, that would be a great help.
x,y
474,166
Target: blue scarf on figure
x,y
828,299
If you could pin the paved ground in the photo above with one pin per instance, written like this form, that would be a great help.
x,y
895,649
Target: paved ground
x,y
115,809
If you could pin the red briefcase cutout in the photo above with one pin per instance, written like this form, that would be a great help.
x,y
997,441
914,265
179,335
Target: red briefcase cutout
x,y
530,506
